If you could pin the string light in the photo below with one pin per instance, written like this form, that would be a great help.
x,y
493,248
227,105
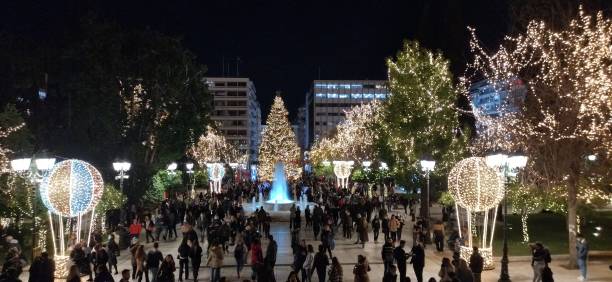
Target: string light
x,y
71,188
474,185
212,147
278,144
356,137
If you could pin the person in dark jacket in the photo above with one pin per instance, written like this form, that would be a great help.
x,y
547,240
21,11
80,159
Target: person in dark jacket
x,y
476,264
321,261
387,254
271,251
375,228
154,258
400,258
418,261
103,275
196,258
112,249
183,257
42,269
166,270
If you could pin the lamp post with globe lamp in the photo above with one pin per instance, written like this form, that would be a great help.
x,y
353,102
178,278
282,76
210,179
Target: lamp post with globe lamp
x,y
189,167
122,167
507,166
427,166
34,173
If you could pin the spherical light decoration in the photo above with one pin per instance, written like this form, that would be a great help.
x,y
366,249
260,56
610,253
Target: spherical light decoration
x,y
72,187
474,185
216,171
342,169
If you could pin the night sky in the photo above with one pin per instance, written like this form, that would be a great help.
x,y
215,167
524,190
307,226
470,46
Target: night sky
x,y
284,45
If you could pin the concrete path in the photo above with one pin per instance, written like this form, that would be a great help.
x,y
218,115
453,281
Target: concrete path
x,y
347,253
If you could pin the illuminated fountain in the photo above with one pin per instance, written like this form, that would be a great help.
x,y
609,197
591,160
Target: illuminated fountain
x,y
279,193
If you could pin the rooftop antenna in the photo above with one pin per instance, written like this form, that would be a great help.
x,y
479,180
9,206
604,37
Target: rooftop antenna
x,y
237,62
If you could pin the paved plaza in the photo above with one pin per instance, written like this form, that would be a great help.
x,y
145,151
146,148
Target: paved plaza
x,y
347,253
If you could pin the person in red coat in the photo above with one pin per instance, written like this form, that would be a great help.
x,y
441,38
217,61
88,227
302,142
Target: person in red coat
x,y
135,229
256,257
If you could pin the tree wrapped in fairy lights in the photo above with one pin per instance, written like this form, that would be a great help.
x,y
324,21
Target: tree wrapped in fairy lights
x,y
278,144
212,147
567,114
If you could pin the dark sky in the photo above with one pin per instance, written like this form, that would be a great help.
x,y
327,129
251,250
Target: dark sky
x,y
284,45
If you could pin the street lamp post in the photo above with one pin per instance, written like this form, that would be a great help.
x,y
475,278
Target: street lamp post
x,y
427,166
507,166
122,168
35,175
189,167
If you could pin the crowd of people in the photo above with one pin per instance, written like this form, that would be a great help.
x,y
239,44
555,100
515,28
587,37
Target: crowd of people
x,y
213,227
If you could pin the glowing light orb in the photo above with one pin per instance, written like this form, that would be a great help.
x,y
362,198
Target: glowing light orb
x,y
342,169
72,187
474,185
216,171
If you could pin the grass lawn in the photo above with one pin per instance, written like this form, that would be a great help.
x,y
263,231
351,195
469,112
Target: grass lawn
x,y
551,230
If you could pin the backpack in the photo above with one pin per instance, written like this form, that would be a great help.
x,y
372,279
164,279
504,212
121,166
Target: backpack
x,y
547,258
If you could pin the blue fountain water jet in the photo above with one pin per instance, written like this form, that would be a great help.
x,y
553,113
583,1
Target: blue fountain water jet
x,y
279,193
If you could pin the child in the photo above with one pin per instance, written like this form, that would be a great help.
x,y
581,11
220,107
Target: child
x,y
125,275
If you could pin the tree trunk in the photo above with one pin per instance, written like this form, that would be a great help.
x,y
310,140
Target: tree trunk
x,y
572,192
524,217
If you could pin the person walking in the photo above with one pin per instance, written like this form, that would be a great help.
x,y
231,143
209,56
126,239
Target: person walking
x,y
183,257
140,258
307,268
463,272
538,260
361,269
321,261
476,264
112,251
335,273
582,254
393,227
446,270
154,259
271,251
215,262
375,227
387,254
42,269
135,229
400,259
103,275
438,230
195,253
166,270
417,254
256,258
240,253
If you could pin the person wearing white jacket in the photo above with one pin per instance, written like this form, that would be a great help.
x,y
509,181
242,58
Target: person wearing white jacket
x,y
308,265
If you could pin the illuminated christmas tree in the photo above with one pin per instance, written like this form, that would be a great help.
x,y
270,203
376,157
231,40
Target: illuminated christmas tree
x,y
278,144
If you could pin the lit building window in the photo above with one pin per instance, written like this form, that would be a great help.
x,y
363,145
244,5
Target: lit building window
x,y
332,95
343,96
381,96
356,96
320,95
368,96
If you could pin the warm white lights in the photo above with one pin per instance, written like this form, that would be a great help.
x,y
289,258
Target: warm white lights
x,y
21,165
216,171
172,167
189,166
592,158
427,166
477,188
122,166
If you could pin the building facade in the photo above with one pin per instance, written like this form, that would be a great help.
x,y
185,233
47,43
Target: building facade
x,y
492,100
237,111
328,100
